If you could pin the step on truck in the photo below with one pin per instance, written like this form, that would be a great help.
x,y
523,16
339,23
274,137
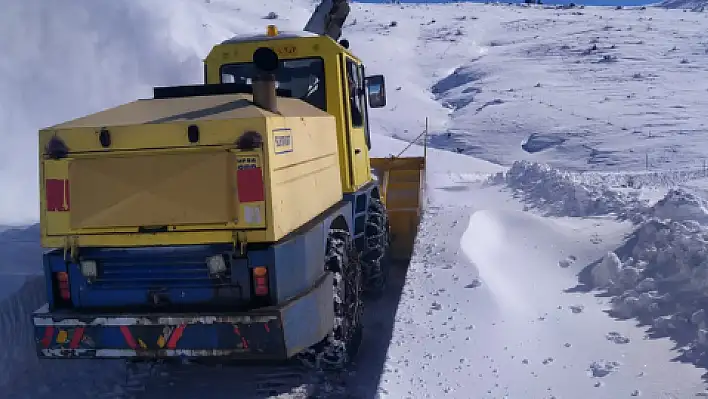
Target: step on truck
x,y
237,219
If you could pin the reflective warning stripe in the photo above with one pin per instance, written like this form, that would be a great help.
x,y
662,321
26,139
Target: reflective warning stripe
x,y
48,335
243,340
128,337
176,335
76,338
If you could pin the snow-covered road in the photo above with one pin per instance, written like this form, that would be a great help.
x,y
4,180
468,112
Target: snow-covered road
x,y
493,308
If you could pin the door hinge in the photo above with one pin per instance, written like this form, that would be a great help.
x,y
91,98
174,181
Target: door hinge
x,y
240,242
71,248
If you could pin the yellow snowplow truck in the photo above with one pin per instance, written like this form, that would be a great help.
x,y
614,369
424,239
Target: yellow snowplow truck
x,y
238,219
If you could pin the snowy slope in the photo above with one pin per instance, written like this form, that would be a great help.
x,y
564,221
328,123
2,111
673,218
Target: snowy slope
x,y
517,264
695,5
593,88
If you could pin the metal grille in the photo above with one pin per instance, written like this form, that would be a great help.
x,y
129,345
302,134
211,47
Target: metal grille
x,y
165,268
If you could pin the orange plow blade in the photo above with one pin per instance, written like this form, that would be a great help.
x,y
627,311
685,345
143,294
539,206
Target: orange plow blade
x,y
402,182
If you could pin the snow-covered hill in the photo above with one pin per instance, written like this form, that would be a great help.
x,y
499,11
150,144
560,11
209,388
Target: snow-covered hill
x,y
528,280
694,5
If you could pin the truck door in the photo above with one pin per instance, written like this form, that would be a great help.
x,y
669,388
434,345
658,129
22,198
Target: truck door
x,y
356,121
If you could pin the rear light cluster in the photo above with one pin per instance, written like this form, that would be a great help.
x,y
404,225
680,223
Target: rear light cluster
x,y
260,280
217,265
62,279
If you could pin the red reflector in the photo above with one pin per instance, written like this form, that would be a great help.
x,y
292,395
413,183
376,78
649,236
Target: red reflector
x,y
249,184
63,280
261,285
57,195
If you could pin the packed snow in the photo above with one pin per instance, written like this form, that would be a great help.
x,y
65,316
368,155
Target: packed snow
x,y
564,248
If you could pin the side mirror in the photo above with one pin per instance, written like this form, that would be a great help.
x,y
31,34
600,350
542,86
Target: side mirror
x,y
376,86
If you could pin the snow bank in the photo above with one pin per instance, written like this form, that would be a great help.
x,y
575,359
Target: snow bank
x,y
680,205
16,333
561,193
659,275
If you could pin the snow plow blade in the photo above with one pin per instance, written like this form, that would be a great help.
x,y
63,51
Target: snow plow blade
x,y
273,333
402,183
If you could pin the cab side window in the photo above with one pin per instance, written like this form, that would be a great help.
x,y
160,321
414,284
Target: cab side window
x,y
365,106
356,94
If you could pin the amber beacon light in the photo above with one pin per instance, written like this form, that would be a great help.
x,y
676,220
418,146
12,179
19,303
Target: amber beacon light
x,y
272,30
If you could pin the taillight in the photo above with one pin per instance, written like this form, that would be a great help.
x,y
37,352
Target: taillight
x,y
260,280
63,283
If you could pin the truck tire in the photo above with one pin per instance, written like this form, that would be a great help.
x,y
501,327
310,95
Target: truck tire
x,y
375,257
336,350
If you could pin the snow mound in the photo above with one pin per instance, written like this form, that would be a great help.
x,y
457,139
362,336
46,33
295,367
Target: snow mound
x,y
562,193
681,205
660,274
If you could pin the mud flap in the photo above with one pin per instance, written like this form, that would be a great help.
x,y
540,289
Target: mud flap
x,y
274,333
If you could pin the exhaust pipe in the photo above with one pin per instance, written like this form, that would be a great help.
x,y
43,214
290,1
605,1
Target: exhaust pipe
x,y
264,93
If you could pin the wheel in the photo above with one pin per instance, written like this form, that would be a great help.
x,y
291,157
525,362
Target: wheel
x,y
337,350
374,260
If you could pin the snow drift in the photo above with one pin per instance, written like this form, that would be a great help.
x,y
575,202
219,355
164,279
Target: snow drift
x,y
659,275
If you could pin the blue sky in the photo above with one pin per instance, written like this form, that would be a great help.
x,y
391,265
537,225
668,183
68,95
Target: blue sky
x,y
585,2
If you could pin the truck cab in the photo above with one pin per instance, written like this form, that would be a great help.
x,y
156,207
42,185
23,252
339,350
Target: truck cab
x,y
321,72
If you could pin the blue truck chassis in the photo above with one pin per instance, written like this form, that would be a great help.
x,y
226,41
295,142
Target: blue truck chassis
x,y
94,324
269,333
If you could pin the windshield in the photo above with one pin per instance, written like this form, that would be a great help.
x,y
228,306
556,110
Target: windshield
x,y
304,78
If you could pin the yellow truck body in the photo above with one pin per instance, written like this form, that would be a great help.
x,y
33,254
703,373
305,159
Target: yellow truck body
x,y
152,179
225,219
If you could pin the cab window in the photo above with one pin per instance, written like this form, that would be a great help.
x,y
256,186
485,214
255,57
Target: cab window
x,y
356,93
303,78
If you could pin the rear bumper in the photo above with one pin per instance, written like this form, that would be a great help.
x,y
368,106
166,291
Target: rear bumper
x,y
273,333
